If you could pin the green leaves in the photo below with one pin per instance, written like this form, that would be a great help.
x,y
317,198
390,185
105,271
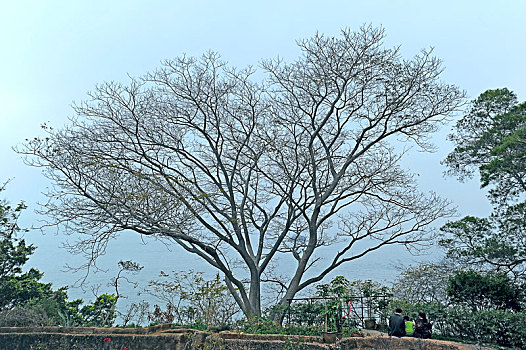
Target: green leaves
x,y
485,291
26,301
495,243
491,139
16,288
101,313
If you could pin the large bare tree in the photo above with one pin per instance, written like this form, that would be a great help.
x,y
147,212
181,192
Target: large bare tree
x,y
242,171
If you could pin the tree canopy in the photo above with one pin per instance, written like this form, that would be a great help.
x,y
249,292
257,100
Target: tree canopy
x,y
490,290
243,169
17,287
491,139
494,243
24,300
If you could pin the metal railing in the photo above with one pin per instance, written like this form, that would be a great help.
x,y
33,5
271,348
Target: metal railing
x,y
356,309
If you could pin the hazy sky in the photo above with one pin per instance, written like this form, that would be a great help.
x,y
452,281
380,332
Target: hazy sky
x,y
53,52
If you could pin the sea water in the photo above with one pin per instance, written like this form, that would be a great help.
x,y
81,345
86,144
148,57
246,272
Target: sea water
x,y
383,265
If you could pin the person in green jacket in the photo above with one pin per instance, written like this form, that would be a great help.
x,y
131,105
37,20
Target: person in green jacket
x,y
408,326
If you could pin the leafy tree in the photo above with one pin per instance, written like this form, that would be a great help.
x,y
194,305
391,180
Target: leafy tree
x,y
338,287
491,139
101,313
376,298
371,295
243,172
485,291
495,243
24,301
16,287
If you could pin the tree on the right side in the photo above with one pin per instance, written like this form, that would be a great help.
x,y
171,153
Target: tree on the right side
x,y
485,291
491,140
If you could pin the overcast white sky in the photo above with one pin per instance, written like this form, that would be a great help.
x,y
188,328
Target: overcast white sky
x,y
52,52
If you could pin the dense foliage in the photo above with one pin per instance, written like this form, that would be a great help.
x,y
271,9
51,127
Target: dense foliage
x,y
24,300
17,287
491,140
497,243
337,306
485,291
502,327
456,322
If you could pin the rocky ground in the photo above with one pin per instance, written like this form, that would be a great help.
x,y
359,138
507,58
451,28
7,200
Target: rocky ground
x,y
368,332
163,337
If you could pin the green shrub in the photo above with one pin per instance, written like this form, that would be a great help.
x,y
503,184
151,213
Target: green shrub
x,y
267,326
258,326
500,327
485,290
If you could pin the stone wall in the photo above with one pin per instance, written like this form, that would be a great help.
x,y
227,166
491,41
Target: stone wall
x,y
164,337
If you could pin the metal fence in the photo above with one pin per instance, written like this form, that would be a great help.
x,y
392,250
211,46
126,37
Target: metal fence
x,y
355,309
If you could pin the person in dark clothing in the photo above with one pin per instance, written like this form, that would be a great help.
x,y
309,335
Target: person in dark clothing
x,y
396,324
422,326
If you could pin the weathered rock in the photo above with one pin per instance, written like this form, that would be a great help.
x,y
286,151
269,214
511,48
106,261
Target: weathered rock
x,y
163,337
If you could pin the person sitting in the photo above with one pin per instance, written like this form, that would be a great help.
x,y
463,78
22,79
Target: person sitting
x,y
396,324
408,326
422,326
